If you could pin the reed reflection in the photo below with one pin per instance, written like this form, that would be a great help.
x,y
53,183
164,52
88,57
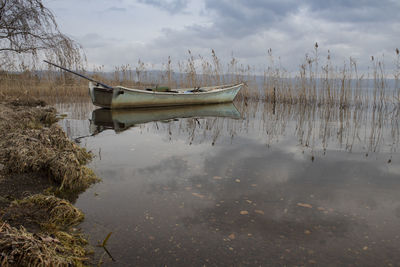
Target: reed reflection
x,y
316,128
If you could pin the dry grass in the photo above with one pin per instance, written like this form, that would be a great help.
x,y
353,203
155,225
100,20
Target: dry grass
x,y
51,243
31,142
20,248
51,212
320,82
37,230
317,81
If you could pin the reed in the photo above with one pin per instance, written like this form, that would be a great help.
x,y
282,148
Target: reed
x,y
317,81
396,74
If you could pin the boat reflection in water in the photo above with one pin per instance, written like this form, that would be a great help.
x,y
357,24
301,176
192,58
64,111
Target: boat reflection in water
x,y
122,119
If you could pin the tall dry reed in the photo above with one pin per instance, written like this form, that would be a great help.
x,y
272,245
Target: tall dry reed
x,y
317,81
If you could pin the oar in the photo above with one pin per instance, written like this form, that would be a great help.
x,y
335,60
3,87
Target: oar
x,y
80,75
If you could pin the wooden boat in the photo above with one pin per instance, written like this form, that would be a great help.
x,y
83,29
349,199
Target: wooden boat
x,y
106,96
122,97
123,119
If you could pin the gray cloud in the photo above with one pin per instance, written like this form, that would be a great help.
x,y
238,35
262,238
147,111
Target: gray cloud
x,y
364,11
92,40
116,9
171,6
357,29
241,18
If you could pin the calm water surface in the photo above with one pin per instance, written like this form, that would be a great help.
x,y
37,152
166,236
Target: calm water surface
x,y
259,185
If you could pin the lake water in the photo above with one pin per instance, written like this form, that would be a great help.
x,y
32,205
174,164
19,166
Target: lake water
x,y
256,184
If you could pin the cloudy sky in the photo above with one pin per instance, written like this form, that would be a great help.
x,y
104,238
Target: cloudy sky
x,y
117,32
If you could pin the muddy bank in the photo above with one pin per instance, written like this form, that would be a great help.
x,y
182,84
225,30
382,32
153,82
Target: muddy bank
x,y
41,172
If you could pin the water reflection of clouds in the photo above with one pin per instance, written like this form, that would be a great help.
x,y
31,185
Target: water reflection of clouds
x,y
267,176
196,191
394,168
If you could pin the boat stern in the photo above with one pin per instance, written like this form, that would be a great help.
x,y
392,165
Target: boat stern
x,y
100,96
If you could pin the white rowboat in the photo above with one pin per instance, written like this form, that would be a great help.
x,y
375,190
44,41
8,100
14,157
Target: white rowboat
x,y
106,96
122,97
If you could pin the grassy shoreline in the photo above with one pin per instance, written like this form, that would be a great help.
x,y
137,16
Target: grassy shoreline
x,y
39,167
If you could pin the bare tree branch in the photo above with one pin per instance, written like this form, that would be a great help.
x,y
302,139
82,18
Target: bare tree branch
x,y
28,27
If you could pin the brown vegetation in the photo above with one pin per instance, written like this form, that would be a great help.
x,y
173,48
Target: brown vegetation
x,y
51,243
37,230
31,142
317,81
48,212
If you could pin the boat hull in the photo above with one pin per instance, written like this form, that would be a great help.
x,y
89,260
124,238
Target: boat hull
x,y
121,97
122,119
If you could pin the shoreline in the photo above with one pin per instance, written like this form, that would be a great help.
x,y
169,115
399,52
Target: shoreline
x,y
42,173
